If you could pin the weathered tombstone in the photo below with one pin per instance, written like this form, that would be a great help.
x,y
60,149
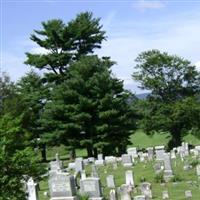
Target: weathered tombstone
x,y
198,170
133,152
110,181
126,160
159,150
150,153
83,175
79,167
140,197
62,186
99,162
110,159
168,174
91,187
113,195
165,195
188,194
145,188
129,178
173,154
94,172
85,161
31,189
71,165
125,192
100,156
55,166
91,159
158,167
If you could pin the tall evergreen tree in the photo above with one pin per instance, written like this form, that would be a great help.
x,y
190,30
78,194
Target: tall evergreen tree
x,y
65,43
90,109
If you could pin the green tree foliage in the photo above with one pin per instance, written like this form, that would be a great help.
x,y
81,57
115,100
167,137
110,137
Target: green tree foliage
x,y
173,105
90,109
7,94
17,161
65,43
168,77
33,94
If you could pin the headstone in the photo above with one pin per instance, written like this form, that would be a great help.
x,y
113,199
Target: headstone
x,y
62,186
145,188
83,175
173,154
133,152
165,195
125,192
99,162
91,159
159,150
150,153
113,195
168,174
32,192
110,181
110,159
100,156
55,166
158,167
79,167
188,194
71,165
85,161
91,187
126,160
140,197
198,169
129,178
94,172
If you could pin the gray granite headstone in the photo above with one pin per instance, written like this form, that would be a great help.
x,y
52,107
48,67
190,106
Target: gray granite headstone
x,y
79,166
133,152
113,195
188,194
165,195
159,150
145,188
129,178
110,181
127,160
168,167
125,192
150,153
62,185
92,187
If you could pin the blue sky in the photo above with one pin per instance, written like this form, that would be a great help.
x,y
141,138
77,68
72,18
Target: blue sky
x,y
131,26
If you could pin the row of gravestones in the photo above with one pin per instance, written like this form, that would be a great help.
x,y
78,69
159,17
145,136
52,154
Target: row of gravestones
x,y
163,160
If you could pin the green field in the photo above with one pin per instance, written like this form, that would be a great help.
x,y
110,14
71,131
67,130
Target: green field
x,y
188,179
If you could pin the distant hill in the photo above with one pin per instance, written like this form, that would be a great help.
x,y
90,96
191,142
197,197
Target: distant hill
x,y
142,95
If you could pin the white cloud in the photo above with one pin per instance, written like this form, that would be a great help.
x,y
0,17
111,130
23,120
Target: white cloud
x,y
143,5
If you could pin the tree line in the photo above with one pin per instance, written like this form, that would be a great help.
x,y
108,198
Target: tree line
x,y
79,103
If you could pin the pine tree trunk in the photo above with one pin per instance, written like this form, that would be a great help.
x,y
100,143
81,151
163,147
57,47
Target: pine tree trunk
x,y
89,151
44,153
95,152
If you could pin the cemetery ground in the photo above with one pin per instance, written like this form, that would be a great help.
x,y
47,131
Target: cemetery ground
x,y
143,171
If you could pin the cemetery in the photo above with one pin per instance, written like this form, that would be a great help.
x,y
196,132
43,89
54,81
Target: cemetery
x,y
150,173
99,100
